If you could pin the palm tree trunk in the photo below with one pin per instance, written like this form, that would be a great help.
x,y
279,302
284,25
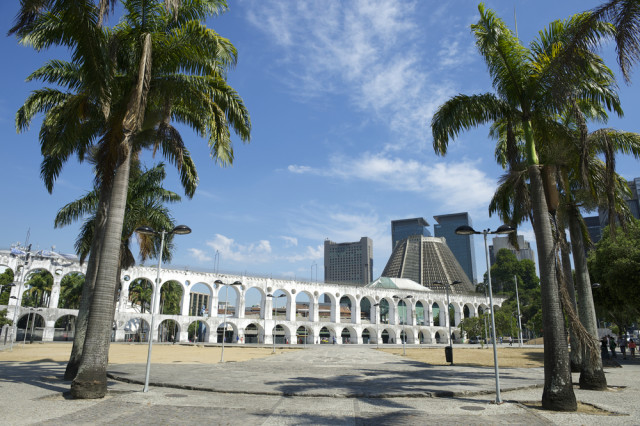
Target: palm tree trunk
x,y
89,283
558,392
591,374
91,380
575,355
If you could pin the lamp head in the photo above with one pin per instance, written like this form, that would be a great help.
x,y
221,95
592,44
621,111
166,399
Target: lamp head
x,y
409,297
438,283
465,230
596,285
181,230
269,295
504,229
456,282
146,230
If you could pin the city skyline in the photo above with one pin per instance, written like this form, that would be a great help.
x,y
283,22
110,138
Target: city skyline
x,y
341,97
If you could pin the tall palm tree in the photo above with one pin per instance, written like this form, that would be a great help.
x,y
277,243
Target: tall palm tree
x,y
144,208
527,88
137,101
71,291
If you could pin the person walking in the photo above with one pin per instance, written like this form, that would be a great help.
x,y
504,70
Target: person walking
x,y
612,346
632,348
604,347
622,342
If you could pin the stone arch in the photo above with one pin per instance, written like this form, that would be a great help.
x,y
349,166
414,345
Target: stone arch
x,y
171,298
438,337
388,336
282,334
326,335
304,306
386,310
468,310
251,309
252,333
439,315
30,326
198,330
140,293
367,310
136,330
37,288
199,300
168,331
369,335
422,313
347,308
327,307
304,335
71,290
349,335
64,328
280,305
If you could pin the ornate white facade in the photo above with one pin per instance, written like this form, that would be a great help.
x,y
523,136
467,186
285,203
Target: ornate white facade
x,y
320,320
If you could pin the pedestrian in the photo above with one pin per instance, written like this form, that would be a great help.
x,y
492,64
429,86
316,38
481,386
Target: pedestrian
x,y
237,339
632,348
612,346
622,342
510,341
604,348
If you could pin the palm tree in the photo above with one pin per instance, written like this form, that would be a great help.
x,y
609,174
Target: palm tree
x,y
71,291
528,89
144,208
140,294
133,104
40,284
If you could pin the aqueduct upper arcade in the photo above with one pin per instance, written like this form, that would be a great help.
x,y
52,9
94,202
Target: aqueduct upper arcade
x,y
259,309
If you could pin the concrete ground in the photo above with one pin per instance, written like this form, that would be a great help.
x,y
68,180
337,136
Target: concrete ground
x,y
351,385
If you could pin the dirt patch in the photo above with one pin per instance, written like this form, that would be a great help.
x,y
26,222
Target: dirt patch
x,y
511,356
583,408
128,353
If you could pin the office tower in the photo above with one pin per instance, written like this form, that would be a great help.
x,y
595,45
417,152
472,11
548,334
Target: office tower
x,y
198,302
403,228
425,260
349,263
462,246
500,243
603,213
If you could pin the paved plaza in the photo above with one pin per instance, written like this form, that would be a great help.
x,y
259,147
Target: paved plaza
x,y
325,384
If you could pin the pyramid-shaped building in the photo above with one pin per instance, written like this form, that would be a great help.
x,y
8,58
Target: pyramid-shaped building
x,y
425,260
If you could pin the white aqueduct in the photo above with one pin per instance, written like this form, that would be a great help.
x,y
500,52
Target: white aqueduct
x,y
384,311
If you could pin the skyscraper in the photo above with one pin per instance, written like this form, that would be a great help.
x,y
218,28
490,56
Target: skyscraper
x,y
461,246
349,263
403,228
500,243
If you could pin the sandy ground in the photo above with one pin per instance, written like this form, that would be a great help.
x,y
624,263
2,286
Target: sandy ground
x,y
125,353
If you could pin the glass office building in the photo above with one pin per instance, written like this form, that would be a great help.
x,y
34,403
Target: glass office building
x,y
403,228
461,246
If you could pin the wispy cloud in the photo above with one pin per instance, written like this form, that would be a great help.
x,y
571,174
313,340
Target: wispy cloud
x,y
455,185
374,52
199,255
257,252
290,241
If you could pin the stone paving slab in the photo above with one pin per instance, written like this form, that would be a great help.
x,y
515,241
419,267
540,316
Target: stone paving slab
x,y
355,371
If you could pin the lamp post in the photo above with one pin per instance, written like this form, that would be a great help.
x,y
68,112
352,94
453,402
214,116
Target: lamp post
x,y
502,229
446,286
273,334
377,325
224,324
404,322
146,230
18,297
515,278
484,316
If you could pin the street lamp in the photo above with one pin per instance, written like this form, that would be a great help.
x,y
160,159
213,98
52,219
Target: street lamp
x,y
377,325
404,322
146,230
515,277
502,229
18,297
224,324
273,334
446,286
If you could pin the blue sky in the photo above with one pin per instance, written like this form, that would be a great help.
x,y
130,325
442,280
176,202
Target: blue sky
x,y
341,95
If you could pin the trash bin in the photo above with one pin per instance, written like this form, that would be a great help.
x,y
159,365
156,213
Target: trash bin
x,y
448,354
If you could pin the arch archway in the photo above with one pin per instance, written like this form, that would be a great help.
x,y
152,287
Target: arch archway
x,y
71,291
421,314
168,331
438,337
438,315
327,308
37,289
140,292
303,306
280,335
229,331
64,328
252,333
304,335
325,335
171,295
253,304
30,326
198,331
201,301
136,330
346,311
368,336
367,314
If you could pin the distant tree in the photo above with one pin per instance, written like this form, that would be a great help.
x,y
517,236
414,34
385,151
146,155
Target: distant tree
x,y
40,284
6,278
71,291
615,265
3,318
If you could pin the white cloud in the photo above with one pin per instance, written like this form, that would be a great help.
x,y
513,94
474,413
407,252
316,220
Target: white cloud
x,y
460,186
309,253
290,241
199,255
258,252
374,52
